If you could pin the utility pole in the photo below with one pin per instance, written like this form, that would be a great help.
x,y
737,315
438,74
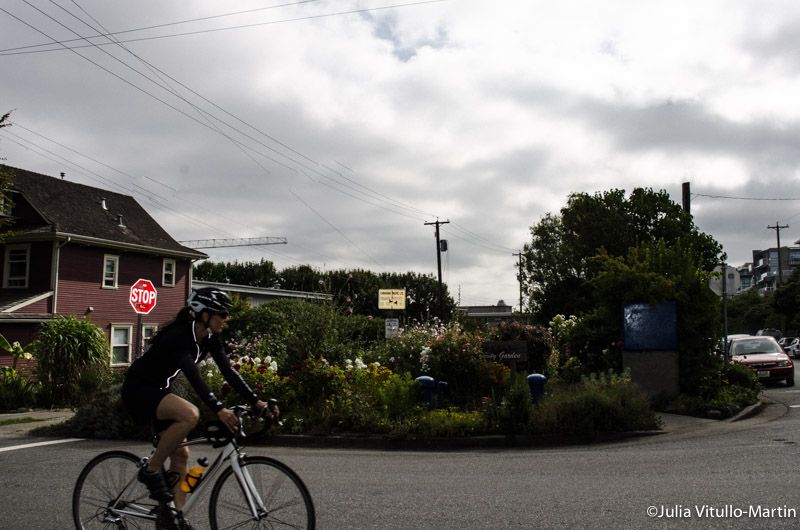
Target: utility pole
x,y
687,197
439,263
777,229
519,263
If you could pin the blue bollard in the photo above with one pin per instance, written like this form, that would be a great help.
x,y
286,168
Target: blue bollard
x,y
441,388
536,384
426,385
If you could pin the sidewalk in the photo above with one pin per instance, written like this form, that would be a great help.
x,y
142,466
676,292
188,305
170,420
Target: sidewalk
x,y
30,420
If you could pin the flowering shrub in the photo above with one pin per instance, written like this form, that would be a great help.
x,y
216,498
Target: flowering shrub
x,y
448,423
358,397
258,332
560,329
538,339
260,374
409,350
457,358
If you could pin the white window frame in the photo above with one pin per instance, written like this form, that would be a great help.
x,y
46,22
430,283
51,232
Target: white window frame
x,y
128,345
115,260
164,272
7,278
148,331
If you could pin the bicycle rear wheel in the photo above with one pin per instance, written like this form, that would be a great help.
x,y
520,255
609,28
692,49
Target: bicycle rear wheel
x,y
286,500
108,495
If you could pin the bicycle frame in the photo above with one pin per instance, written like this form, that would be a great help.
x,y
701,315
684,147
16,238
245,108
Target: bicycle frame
x,y
229,452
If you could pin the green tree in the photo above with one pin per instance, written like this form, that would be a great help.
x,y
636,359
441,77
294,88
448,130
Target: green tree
x,y
261,274
653,273
786,303
353,291
558,264
752,310
302,278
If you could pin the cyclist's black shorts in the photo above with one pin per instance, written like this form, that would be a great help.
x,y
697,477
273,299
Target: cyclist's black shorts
x,y
142,399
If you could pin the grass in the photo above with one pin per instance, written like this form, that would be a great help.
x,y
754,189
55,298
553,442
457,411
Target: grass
x,y
14,421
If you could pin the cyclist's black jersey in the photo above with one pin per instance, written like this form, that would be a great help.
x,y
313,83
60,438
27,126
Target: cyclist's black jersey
x,y
178,350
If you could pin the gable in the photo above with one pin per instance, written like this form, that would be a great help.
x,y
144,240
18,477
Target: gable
x,y
47,205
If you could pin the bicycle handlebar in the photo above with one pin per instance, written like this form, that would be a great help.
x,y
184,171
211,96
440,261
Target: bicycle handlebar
x,y
242,410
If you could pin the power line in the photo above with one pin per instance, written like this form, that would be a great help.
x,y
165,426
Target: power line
x,y
175,108
10,51
205,115
746,198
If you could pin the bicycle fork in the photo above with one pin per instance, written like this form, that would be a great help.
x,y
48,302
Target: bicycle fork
x,y
254,501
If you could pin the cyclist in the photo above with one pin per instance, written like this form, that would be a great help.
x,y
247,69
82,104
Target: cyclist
x,y
147,392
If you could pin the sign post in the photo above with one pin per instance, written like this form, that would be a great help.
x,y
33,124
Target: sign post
x,y
142,298
389,300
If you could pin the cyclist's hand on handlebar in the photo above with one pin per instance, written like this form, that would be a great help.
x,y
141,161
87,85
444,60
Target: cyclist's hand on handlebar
x,y
229,419
269,409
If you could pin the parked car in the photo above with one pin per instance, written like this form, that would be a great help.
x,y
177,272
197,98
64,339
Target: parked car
x,y
790,345
764,356
721,347
770,332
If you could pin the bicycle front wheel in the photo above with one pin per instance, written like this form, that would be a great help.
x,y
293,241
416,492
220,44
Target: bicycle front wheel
x,y
108,495
280,499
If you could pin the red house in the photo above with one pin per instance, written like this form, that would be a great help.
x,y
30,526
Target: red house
x,y
77,250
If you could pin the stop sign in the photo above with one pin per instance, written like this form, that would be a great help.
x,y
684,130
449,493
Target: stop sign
x,y
143,296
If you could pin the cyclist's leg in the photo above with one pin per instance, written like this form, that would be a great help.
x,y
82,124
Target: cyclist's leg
x,y
178,463
184,418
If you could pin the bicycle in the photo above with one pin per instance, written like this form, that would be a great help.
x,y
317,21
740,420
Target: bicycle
x,y
252,492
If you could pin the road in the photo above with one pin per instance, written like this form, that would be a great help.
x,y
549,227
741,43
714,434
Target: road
x,y
741,472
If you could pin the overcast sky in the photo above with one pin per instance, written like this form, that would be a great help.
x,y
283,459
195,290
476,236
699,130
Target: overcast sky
x,y
345,126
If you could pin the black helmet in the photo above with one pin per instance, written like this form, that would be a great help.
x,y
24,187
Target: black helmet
x,y
210,299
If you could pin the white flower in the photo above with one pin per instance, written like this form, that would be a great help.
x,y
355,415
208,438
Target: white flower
x,y
273,366
256,360
268,359
359,364
209,374
244,359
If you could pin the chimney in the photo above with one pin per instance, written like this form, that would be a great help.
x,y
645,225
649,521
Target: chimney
x,y
119,221
103,203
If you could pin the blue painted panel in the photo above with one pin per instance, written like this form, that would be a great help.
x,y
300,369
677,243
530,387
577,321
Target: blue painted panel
x,y
651,326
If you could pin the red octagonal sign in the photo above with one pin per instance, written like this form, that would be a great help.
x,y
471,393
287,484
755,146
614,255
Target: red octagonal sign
x,y
143,296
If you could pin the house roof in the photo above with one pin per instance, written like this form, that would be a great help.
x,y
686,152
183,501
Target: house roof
x,y
11,300
84,213
263,292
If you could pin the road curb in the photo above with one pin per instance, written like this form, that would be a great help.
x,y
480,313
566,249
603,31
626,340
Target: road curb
x,y
446,444
749,412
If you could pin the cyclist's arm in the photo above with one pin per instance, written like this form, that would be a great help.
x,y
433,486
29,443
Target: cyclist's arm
x,y
192,373
231,376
